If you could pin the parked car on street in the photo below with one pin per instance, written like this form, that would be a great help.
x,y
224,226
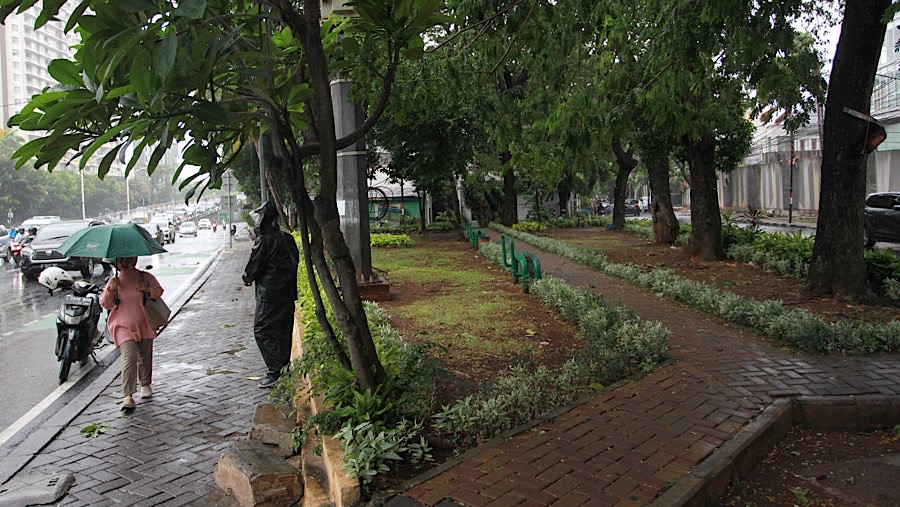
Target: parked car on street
x,y
5,241
632,207
187,228
41,253
40,221
881,219
156,231
167,226
204,223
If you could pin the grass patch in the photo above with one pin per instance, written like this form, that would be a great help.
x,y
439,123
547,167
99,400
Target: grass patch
x,y
426,264
464,317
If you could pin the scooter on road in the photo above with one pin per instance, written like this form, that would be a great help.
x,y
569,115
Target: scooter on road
x,y
78,319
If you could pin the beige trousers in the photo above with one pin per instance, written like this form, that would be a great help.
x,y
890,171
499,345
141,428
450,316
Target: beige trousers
x,y
137,364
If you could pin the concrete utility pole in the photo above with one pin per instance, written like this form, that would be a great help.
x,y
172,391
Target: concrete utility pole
x,y
352,181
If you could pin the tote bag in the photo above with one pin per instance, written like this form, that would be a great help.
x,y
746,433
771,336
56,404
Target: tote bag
x,y
157,312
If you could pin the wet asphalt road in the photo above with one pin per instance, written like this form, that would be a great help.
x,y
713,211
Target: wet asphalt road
x,y
29,371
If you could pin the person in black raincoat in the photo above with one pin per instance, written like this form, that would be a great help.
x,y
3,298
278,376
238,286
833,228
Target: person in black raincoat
x,y
273,266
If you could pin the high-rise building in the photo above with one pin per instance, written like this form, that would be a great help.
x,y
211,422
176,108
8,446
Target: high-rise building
x,y
25,54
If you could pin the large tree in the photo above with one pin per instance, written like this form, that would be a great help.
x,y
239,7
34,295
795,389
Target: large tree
x,y
214,75
838,266
524,59
702,65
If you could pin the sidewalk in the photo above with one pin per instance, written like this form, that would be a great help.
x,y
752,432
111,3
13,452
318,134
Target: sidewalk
x,y
164,452
628,444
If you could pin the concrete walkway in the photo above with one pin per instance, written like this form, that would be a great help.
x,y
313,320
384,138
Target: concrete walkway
x,y
164,452
625,446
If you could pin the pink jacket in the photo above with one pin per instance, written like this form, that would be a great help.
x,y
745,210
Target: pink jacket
x,y
128,321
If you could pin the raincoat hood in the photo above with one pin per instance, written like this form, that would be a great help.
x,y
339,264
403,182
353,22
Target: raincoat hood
x,y
267,217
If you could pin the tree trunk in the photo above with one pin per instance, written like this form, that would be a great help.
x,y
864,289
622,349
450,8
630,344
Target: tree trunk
x,y
706,223
838,265
627,163
456,217
564,192
346,304
665,224
421,212
509,213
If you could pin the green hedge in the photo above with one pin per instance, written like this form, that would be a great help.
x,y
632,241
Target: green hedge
x,y
798,327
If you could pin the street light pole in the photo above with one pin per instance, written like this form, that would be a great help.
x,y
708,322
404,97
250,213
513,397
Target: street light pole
x,y
83,215
127,197
230,215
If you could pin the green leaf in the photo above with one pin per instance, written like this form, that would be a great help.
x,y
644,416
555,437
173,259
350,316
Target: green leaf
x,y
415,48
165,57
191,9
66,72
94,430
107,161
76,15
300,93
132,6
120,91
211,112
28,151
141,78
100,141
38,101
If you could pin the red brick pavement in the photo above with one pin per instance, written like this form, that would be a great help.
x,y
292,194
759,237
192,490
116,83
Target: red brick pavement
x,y
165,451
625,446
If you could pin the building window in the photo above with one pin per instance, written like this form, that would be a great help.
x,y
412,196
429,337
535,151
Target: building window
x,y
15,40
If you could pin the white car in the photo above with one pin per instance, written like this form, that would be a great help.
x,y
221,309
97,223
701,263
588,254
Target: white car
x,y
187,229
204,223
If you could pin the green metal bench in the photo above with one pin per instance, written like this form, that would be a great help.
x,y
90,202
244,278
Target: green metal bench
x,y
524,266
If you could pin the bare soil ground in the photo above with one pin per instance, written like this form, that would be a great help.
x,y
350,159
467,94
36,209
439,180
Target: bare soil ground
x,y
777,483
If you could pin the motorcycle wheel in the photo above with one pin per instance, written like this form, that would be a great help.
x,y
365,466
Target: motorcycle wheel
x,y
64,366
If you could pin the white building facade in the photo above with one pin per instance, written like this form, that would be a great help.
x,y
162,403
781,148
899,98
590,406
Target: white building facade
x,y
766,177
25,54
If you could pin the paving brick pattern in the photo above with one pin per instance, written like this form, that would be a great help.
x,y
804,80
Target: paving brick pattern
x,y
165,451
626,445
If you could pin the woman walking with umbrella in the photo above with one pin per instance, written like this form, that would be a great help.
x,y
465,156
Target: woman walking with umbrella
x,y
124,297
128,325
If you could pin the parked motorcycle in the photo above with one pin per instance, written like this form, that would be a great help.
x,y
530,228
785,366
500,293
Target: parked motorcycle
x,y
77,323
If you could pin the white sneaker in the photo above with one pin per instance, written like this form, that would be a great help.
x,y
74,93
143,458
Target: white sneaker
x,y
146,392
128,402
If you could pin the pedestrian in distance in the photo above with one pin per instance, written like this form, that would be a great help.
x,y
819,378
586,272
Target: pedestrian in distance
x,y
273,267
128,325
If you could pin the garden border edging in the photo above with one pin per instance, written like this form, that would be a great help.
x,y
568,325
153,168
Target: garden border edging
x,y
342,490
738,456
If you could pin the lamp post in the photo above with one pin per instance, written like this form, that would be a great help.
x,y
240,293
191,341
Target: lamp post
x,y
83,215
230,216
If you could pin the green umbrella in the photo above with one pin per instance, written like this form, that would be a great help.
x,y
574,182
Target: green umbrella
x,y
111,241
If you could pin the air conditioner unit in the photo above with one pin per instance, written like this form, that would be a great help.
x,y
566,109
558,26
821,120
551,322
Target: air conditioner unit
x,y
338,7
